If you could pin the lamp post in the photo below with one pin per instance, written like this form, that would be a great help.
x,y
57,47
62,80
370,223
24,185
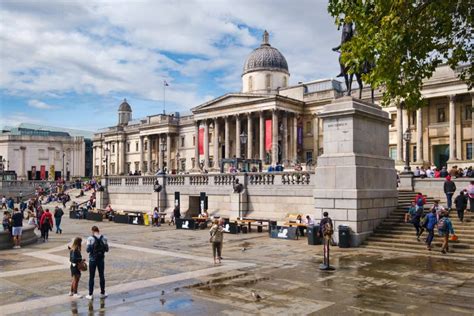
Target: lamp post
x,y
67,170
177,162
243,140
162,154
3,168
106,152
407,138
64,172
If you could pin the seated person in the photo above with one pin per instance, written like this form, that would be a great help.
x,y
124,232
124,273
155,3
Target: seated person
x,y
309,221
204,214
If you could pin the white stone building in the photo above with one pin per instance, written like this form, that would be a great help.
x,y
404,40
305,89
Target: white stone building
x,y
39,152
281,124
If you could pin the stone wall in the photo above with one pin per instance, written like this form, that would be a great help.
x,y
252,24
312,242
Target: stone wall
x,y
434,187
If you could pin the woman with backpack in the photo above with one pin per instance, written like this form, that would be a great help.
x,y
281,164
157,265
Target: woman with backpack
x,y
430,223
75,257
46,224
217,237
445,227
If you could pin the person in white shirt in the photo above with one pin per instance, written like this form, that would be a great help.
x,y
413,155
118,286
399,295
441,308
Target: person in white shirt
x,y
416,173
309,221
429,173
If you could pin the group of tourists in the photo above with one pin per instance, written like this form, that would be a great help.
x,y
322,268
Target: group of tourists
x,y
437,217
434,172
96,247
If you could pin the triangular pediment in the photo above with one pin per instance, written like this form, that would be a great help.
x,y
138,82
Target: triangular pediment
x,y
230,99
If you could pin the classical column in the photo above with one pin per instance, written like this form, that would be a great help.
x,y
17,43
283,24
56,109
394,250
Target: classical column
x,y
261,143
406,124
295,139
168,152
216,143
419,136
226,138
472,126
315,137
148,154
117,157
196,147
140,148
284,139
206,144
249,136
23,163
399,133
237,137
161,154
452,128
122,159
274,137
94,161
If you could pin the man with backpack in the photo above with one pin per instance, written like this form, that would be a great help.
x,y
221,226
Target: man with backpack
x,y
326,229
419,200
461,204
97,246
445,227
430,223
449,189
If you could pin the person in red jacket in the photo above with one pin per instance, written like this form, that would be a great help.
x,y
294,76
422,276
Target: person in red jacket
x,y
419,200
46,224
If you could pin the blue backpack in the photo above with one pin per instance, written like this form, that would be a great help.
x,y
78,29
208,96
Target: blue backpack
x,y
419,202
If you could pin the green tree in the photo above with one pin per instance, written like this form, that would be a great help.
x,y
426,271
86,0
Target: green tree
x,y
407,40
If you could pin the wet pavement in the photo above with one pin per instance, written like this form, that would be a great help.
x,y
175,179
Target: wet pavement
x,y
170,272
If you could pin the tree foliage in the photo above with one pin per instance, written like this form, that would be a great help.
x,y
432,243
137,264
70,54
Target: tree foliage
x,y
407,40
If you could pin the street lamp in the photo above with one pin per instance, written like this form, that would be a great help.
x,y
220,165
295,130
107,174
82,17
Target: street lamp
x,y
67,171
243,138
162,156
407,139
106,152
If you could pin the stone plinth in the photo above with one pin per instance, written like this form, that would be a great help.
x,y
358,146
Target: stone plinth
x,y
356,179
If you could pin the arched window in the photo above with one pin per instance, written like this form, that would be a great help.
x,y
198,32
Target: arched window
x,y
250,83
285,82
268,83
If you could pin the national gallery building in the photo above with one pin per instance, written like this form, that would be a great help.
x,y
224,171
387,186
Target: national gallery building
x,y
278,123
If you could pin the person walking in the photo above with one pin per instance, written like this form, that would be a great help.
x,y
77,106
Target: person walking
x,y
419,200
461,204
176,215
58,214
445,227
97,246
416,221
449,189
17,227
430,225
46,224
411,211
75,257
470,194
217,238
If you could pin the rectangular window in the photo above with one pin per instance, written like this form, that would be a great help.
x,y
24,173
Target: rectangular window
x,y
194,142
392,152
112,168
113,148
441,115
193,163
128,167
412,118
469,151
183,164
414,158
309,156
182,141
136,146
145,167
467,112
128,147
309,128
145,146
137,166
393,117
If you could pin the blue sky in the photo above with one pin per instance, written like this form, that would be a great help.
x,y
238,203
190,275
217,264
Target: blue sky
x,y
70,63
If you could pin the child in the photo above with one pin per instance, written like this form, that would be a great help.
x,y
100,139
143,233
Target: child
x,y
156,217
6,223
410,212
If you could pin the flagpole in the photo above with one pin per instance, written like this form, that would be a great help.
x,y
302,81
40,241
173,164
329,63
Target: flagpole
x,y
164,98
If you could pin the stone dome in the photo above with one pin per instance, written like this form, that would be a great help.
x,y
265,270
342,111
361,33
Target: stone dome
x,y
265,57
125,107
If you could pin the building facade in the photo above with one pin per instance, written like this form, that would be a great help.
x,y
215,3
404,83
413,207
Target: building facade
x,y
39,153
277,123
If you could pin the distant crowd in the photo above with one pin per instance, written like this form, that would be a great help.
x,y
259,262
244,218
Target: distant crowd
x,y
434,172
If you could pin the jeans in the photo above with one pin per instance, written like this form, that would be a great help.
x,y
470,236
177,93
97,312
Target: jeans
x,y
98,264
460,214
449,197
430,237
216,248
58,224
471,204
419,229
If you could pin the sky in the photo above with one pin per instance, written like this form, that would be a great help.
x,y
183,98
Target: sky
x,y
70,63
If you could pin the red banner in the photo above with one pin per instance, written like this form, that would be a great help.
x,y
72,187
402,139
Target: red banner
x,y
268,135
43,172
201,141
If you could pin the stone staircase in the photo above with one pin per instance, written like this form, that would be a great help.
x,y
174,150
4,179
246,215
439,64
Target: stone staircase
x,y
394,234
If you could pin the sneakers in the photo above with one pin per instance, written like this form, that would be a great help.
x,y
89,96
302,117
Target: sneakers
x,y
90,297
77,295
71,294
103,295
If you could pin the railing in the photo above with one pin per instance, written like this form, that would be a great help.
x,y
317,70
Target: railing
x,y
150,180
296,178
261,179
115,181
175,180
131,181
199,180
224,179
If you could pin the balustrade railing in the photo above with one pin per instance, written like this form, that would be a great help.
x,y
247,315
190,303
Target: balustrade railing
x,y
261,179
115,181
148,180
224,179
175,180
199,180
131,181
295,178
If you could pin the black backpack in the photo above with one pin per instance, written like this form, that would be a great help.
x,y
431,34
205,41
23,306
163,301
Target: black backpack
x,y
98,248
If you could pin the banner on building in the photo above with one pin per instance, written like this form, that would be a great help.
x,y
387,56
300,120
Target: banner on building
x,y
300,136
33,172
268,135
43,172
201,141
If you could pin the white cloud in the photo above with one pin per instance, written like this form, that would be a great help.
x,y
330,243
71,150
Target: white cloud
x,y
40,105
129,47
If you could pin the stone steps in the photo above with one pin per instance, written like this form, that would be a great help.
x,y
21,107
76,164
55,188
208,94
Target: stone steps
x,y
417,251
395,235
